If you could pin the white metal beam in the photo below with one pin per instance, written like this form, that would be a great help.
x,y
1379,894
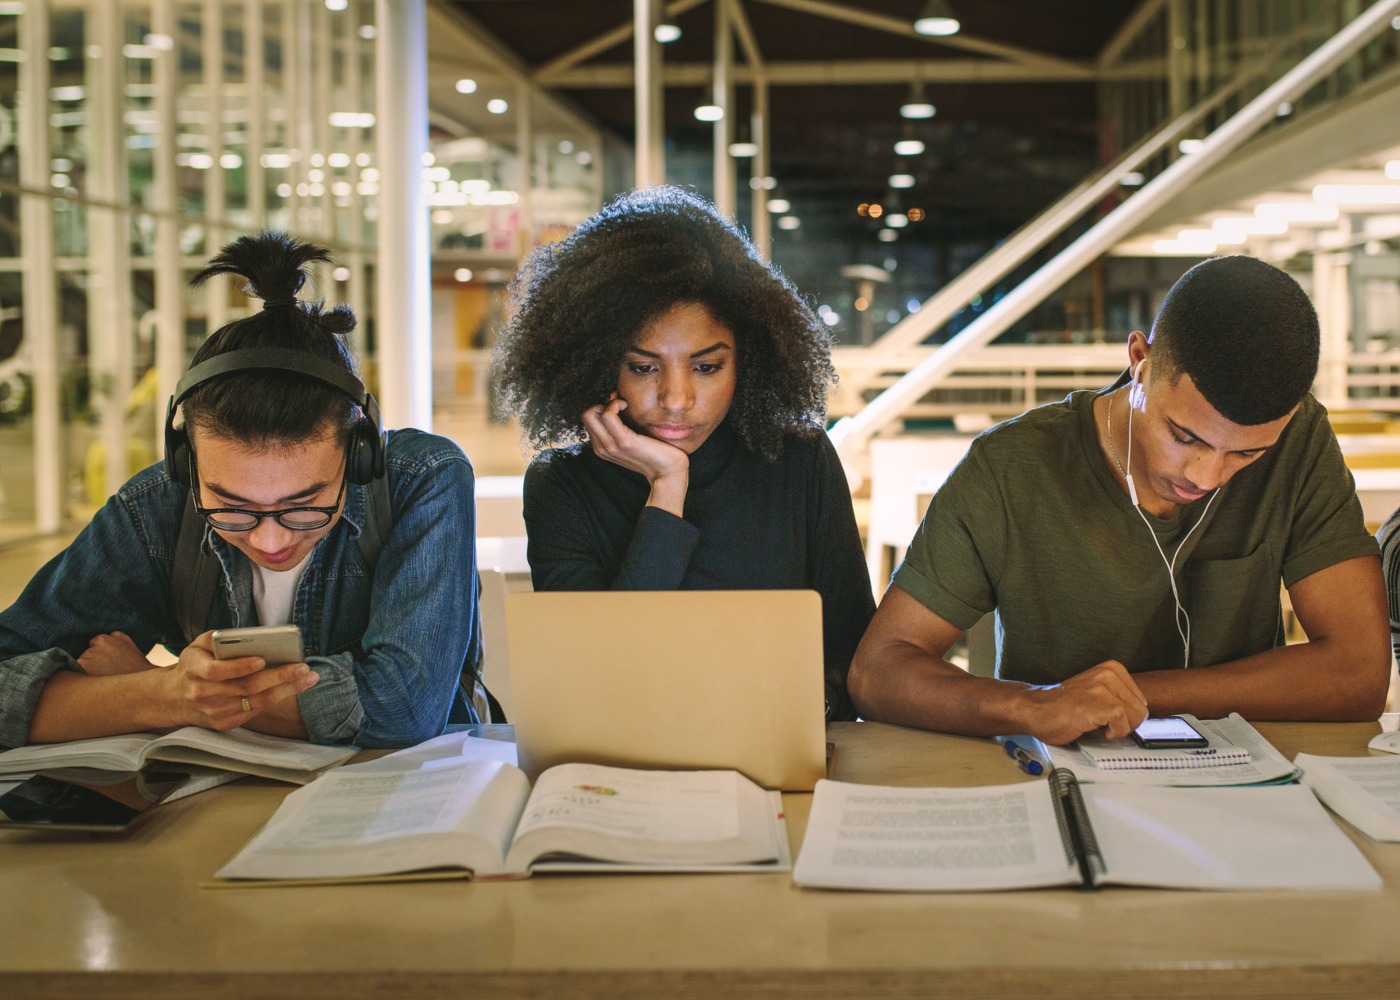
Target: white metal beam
x,y
852,434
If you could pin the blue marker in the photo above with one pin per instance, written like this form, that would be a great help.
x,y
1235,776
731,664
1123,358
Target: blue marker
x,y
1026,761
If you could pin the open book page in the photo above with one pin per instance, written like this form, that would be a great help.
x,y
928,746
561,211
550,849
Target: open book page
x,y
1265,764
252,753
352,824
921,839
110,753
440,750
1364,791
645,817
1223,838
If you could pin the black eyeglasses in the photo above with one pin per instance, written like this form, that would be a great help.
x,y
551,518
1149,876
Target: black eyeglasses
x,y
293,518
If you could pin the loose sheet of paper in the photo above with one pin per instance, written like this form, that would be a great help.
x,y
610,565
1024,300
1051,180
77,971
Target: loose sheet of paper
x,y
1364,791
920,839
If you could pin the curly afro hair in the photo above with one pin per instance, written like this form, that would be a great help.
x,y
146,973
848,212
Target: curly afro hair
x,y
577,306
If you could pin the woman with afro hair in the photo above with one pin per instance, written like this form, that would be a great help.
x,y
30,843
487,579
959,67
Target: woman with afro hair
x,y
674,385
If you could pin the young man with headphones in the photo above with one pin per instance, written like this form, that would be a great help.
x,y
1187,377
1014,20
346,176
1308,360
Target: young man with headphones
x,y
1132,541
281,500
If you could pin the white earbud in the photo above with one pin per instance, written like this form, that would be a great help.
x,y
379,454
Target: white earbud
x,y
1128,472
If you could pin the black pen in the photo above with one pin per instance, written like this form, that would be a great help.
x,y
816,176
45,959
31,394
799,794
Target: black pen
x,y
1026,761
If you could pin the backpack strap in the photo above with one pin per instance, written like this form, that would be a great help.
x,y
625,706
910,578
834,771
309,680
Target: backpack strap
x,y
379,521
195,576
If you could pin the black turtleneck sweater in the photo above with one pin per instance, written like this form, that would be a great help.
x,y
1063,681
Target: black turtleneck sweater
x,y
750,524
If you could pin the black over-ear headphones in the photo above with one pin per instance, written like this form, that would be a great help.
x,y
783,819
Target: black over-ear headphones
x,y
364,450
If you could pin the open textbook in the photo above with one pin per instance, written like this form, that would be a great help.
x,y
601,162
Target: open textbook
x,y
239,750
1364,791
1262,763
1059,833
452,818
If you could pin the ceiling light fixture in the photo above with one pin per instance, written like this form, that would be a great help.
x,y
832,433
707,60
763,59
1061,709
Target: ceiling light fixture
x,y
743,150
709,113
937,19
1297,211
666,33
1357,194
915,106
901,180
908,147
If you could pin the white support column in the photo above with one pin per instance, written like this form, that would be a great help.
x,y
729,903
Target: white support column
x,y
650,94
323,102
40,281
110,326
723,98
356,289
1332,298
525,142
762,167
169,279
216,184
403,317
255,81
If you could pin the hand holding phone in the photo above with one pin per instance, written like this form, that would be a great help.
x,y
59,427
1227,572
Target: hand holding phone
x,y
1171,733
275,644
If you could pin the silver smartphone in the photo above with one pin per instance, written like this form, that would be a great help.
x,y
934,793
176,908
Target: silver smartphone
x,y
276,644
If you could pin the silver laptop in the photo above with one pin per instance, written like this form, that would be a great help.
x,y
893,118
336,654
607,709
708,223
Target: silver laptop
x,y
671,679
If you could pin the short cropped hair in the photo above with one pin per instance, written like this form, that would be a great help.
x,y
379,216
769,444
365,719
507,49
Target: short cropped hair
x,y
265,408
578,305
1245,332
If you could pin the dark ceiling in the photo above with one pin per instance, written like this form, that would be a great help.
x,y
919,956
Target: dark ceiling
x,y
996,152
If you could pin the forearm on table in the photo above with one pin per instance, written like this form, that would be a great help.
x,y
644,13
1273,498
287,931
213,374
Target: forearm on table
x,y
909,686
1325,680
76,706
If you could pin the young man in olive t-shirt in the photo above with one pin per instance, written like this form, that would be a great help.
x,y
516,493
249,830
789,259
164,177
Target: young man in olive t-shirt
x,y
1132,541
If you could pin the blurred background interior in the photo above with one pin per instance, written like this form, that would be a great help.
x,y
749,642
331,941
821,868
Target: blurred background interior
x,y
981,199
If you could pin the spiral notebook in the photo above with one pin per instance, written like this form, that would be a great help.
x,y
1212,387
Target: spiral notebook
x,y
1124,754
1036,834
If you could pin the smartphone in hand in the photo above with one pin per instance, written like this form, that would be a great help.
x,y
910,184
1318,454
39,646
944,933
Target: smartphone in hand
x,y
1171,733
276,644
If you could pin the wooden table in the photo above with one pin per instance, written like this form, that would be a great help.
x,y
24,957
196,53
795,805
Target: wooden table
x,y
87,917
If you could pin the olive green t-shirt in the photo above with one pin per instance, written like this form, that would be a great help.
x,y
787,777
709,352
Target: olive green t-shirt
x,y
1033,524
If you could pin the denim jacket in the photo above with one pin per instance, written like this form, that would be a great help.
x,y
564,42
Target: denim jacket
x,y
389,648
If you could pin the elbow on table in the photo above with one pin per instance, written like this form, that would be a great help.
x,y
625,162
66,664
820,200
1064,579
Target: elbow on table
x,y
862,685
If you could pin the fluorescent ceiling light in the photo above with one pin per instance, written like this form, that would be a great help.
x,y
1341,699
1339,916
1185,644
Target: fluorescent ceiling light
x,y
779,205
917,109
1189,147
666,33
1179,249
908,147
1250,225
901,180
896,220
1357,194
789,222
466,85
937,19
709,113
1297,211
743,150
